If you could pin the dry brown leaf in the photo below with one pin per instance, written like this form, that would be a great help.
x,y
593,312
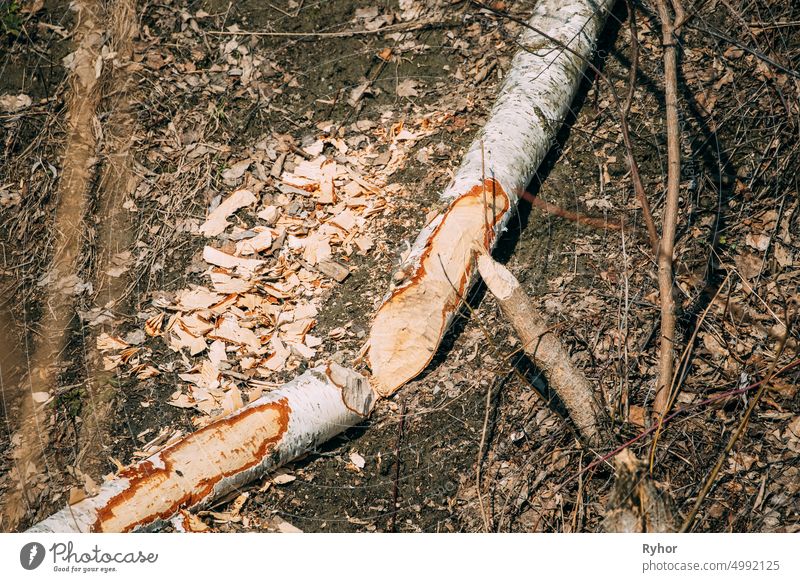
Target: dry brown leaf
x,y
236,171
283,478
408,88
120,263
14,103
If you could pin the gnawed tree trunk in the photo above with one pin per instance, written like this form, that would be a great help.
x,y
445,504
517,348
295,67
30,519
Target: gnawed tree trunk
x,y
224,455
545,350
325,401
534,99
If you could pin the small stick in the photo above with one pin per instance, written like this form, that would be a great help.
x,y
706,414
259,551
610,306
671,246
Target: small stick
x,y
546,351
636,178
486,524
571,216
666,356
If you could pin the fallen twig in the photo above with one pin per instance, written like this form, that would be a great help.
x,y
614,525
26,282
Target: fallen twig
x,y
571,216
667,247
546,351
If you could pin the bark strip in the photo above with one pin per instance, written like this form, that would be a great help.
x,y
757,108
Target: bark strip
x,y
226,454
533,101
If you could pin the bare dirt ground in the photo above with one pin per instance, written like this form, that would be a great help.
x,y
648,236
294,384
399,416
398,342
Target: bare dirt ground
x,y
206,104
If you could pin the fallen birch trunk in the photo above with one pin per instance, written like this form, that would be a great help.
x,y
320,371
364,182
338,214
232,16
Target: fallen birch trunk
x,y
409,326
544,349
534,99
224,455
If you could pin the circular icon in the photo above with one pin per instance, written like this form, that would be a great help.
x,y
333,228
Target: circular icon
x,y
31,555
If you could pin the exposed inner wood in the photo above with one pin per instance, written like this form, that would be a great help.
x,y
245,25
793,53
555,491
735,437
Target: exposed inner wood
x,y
190,469
409,326
224,455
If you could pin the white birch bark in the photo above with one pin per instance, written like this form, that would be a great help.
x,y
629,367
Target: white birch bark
x,y
325,401
532,103
230,452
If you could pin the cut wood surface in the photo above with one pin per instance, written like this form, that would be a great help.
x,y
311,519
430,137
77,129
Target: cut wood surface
x,y
533,101
545,349
425,295
224,455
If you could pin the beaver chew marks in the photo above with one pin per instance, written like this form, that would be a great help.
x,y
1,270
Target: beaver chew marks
x,y
409,326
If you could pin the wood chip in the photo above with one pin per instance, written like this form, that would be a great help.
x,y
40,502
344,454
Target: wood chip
x,y
197,298
262,241
223,282
229,330
221,259
327,194
217,222
334,270
152,326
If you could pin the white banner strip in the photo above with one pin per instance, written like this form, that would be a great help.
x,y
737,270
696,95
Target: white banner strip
x,y
349,557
